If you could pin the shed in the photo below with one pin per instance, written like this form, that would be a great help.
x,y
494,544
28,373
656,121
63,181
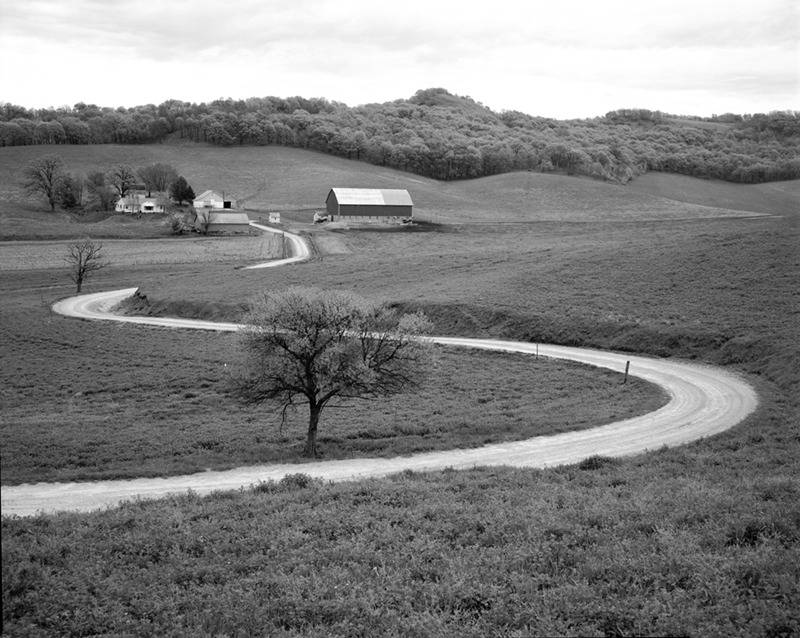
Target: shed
x,y
368,203
222,222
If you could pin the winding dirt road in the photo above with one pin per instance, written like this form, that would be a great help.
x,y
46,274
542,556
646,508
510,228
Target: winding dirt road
x,y
703,401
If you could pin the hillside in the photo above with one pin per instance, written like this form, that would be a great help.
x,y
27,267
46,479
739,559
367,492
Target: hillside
x,y
698,540
275,178
776,198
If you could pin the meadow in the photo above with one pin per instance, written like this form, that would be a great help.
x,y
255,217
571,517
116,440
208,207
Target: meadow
x,y
165,391
700,540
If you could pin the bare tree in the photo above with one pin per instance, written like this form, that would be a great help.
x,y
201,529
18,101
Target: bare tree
x,y
84,257
203,217
122,178
312,346
157,177
43,176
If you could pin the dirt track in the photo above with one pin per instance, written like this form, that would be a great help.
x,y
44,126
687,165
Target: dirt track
x,y
704,401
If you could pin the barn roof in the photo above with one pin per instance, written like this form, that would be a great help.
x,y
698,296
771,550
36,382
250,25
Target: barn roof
x,y
372,196
229,218
208,195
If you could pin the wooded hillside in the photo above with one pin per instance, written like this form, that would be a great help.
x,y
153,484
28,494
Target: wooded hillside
x,y
443,136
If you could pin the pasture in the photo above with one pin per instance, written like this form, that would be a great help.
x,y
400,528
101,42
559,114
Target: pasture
x,y
699,540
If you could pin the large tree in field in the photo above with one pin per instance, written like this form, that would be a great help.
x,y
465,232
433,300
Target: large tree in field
x,y
43,176
310,346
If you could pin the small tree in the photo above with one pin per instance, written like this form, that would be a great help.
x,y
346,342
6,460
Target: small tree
x,y
314,346
101,193
43,176
178,221
84,257
70,192
181,191
203,218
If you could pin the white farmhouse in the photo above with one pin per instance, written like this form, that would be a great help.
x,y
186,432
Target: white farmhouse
x,y
140,204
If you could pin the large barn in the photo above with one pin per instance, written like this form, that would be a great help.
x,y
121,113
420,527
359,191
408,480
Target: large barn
x,y
368,203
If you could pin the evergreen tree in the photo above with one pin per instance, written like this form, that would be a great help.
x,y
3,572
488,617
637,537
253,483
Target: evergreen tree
x,y
181,191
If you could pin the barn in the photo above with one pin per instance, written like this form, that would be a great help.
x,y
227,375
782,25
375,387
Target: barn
x,y
211,199
362,204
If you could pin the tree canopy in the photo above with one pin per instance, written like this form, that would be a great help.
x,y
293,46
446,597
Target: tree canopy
x,y
444,136
44,176
306,345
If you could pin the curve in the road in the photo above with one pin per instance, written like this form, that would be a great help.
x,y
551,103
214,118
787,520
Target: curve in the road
x,y
704,400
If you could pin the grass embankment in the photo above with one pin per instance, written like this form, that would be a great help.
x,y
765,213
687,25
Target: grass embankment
x,y
697,541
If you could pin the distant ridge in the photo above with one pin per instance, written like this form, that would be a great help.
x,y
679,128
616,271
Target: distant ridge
x,y
443,136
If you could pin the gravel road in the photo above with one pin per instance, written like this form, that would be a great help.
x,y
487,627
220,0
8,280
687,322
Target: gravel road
x,y
704,401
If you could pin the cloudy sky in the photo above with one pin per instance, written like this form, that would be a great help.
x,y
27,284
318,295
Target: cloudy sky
x,y
568,59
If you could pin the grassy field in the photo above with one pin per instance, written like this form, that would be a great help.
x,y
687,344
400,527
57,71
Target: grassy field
x,y
702,540
64,382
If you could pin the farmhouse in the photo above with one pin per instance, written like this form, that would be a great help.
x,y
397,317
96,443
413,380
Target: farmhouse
x,y
362,204
221,222
210,199
141,204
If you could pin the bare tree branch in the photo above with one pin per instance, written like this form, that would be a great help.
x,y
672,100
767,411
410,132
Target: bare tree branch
x,y
84,257
43,176
312,346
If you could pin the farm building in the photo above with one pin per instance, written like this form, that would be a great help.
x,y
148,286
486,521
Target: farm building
x,y
141,204
210,199
368,203
221,222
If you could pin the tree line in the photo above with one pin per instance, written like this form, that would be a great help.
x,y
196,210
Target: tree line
x,y
100,189
444,136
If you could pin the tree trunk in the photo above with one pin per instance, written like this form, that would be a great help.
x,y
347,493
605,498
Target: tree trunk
x,y
313,421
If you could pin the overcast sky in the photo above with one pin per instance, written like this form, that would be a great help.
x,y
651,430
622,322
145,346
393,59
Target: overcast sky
x,y
557,59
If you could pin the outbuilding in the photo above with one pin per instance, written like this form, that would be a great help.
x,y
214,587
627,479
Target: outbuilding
x,y
218,221
362,204
210,199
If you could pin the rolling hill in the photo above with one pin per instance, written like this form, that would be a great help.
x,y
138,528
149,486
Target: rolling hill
x,y
276,178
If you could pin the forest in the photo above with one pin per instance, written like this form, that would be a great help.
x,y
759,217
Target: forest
x,y
443,136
